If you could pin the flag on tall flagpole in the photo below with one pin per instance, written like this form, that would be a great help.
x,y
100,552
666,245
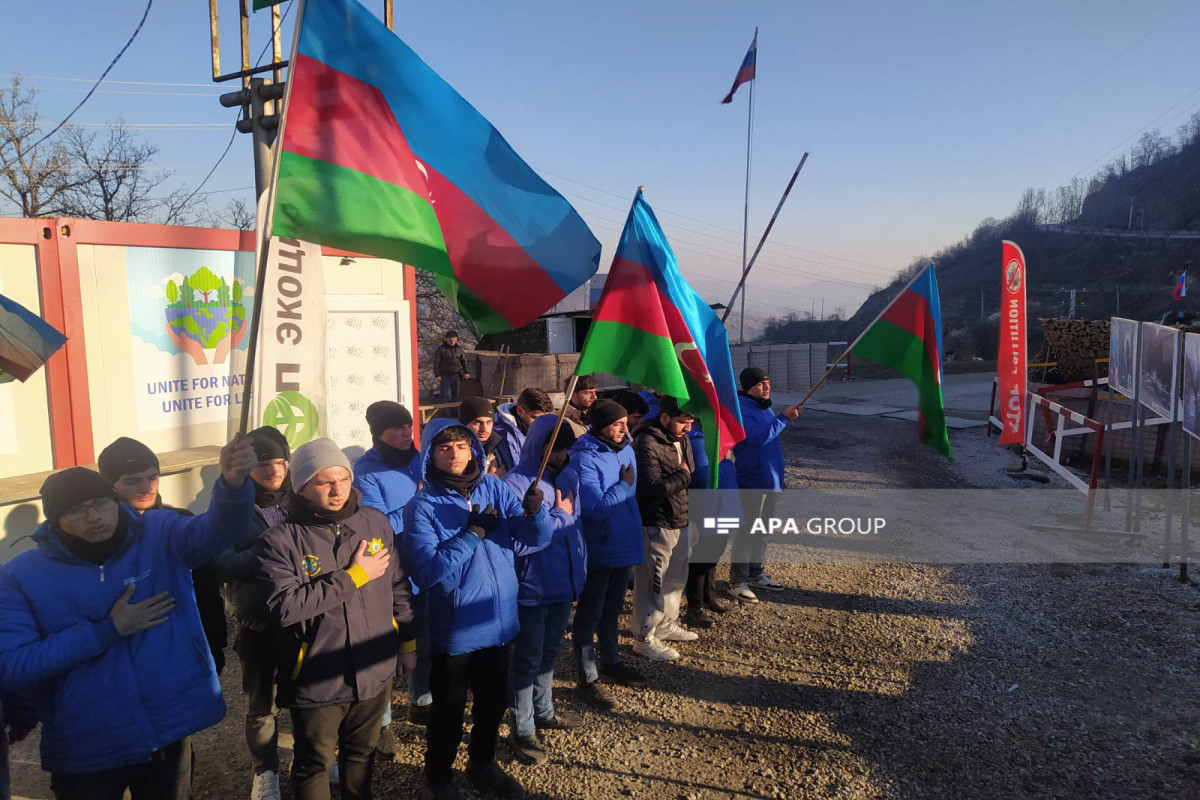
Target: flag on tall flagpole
x,y
26,340
651,328
1181,286
381,156
746,70
907,337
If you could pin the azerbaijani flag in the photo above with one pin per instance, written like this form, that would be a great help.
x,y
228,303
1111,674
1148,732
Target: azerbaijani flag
x,y
381,156
26,340
907,337
651,327
746,71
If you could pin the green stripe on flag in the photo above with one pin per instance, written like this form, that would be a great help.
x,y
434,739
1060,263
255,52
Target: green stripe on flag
x,y
634,354
888,344
317,201
259,5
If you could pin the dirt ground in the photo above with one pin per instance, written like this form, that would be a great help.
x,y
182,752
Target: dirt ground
x,y
868,680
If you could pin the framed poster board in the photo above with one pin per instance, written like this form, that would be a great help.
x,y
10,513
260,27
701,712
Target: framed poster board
x,y
1191,384
1158,371
1122,355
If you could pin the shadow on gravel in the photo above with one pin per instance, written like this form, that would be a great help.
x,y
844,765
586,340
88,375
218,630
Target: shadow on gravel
x,y
867,604
703,731
681,787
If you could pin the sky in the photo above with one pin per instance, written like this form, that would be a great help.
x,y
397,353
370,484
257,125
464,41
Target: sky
x,y
920,119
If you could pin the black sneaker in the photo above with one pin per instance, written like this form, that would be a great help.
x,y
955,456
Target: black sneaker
x,y
419,715
595,695
562,720
718,606
445,791
698,618
622,674
490,776
386,749
527,749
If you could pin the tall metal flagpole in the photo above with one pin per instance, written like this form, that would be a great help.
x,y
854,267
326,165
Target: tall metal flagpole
x,y
746,207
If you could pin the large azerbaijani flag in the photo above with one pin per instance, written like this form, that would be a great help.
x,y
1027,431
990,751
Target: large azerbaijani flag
x,y
907,337
381,156
651,327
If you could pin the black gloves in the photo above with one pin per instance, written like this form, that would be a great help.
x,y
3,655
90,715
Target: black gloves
x,y
481,523
533,500
627,474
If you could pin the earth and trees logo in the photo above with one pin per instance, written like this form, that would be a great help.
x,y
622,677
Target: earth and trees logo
x,y
205,312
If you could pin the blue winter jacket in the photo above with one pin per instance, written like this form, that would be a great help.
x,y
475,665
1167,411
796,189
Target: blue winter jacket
x,y
608,509
106,700
471,583
387,487
506,425
759,457
556,573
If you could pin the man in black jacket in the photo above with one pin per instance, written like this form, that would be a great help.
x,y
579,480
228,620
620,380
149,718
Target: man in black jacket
x,y
664,471
133,470
337,592
450,366
237,569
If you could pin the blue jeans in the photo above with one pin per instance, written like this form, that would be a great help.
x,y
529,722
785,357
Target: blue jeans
x,y
450,384
596,614
418,682
531,667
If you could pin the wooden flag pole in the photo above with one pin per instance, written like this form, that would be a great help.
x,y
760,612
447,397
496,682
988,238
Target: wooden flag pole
x,y
746,272
857,339
554,433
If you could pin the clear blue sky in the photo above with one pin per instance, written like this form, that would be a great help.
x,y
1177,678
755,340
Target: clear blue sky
x,y
921,120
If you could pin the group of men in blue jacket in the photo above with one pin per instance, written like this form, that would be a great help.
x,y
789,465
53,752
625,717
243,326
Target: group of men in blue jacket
x,y
436,566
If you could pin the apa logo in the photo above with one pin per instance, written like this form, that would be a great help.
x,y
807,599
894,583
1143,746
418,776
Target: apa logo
x,y
311,566
205,313
294,415
722,525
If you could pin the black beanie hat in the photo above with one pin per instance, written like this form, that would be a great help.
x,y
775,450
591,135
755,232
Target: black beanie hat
x,y
70,487
474,408
604,413
751,376
125,456
270,444
386,414
564,439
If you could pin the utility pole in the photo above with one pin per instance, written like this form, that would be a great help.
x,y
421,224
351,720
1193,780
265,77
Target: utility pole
x,y
1129,226
981,315
822,308
1072,292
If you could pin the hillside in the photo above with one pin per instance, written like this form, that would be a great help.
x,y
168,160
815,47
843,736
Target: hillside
x,y
1105,268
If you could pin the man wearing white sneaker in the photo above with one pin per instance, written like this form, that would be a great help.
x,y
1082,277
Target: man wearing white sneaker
x,y
664,471
758,460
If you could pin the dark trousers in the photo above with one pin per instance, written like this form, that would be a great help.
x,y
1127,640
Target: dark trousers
x,y
594,633
531,672
450,387
254,650
167,776
353,729
702,571
485,673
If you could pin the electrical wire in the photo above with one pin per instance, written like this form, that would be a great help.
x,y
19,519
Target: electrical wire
x,y
103,75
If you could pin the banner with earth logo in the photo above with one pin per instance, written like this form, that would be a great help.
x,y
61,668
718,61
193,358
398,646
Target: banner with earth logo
x,y
188,313
288,391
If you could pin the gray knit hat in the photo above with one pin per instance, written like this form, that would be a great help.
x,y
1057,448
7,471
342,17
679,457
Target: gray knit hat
x,y
312,457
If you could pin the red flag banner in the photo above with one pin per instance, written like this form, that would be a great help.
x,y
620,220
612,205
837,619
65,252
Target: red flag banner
x,y
1010,361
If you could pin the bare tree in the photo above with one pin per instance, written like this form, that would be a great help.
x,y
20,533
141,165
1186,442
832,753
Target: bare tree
x,y
33,178
115,175
236,214
1031,206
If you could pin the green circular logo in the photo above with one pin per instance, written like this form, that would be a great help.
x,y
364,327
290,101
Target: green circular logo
x,y
294,415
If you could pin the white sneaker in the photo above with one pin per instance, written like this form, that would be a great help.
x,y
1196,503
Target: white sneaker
x,y
265,786
763,581
335,775
742,592
671,632
655,650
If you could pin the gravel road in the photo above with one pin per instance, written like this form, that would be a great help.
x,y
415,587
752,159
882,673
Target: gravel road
x,y
871,680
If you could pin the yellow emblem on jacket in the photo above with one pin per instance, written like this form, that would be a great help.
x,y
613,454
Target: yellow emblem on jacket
x,y
374,546
311,565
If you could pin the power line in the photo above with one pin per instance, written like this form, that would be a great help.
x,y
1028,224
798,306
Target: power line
x,y
115,83
104,74
126,92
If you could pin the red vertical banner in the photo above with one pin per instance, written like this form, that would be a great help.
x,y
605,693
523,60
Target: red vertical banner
x,y
1010,360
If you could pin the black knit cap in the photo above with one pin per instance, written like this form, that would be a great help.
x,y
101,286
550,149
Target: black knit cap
x,y
270,444
633,402
564,439
70,487
125,456
474,408
604,413
751,376
386,414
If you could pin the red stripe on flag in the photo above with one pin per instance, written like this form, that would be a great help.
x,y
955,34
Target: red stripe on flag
x,y
487,260
911,312
631,297
334,117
